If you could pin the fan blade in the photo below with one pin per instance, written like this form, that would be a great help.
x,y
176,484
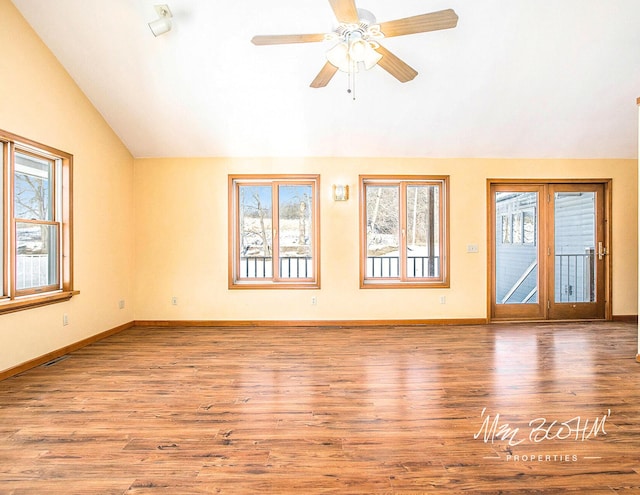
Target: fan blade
x,y
324,76
394,66
444,19
281,39
345,11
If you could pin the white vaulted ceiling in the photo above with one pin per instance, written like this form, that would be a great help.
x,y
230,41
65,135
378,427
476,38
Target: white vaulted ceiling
x,y
515,78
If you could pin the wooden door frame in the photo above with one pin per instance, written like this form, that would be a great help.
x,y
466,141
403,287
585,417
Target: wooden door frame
x,y
607,203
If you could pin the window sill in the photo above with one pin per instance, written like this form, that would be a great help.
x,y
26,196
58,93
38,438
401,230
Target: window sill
x,y
404,285
274,285
29,302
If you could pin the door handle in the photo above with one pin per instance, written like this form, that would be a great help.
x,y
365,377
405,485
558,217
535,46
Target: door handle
x,y
602,251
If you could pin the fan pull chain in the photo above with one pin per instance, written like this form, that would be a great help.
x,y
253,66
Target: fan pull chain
x,y
352,80
353,83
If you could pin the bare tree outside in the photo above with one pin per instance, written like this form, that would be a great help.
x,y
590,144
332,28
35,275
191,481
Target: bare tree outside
x,y
383,215
294,220
32,189
276,225
422,229
255,220
404,233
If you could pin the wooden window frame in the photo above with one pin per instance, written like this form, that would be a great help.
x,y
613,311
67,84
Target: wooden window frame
x,y
403,281
11,298
275,281
53,221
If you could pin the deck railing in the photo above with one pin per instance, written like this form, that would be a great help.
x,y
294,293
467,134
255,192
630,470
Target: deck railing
x,y
389,266
575,277
302,266
574,280
262,267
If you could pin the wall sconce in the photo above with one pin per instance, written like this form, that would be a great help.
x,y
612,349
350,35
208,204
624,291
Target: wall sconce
x,y
340,192
163,24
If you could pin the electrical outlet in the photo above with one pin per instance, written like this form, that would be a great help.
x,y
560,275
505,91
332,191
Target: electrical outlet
x,y
174,300
65,319
473,248
121,304
314,300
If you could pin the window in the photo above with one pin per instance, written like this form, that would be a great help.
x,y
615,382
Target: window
x,y
274,231
36,224
518,226
404,232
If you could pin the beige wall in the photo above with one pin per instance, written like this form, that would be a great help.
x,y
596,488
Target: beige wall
x,y
181,239
41,102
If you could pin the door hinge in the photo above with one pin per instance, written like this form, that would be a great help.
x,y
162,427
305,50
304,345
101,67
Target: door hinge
x,y
602,251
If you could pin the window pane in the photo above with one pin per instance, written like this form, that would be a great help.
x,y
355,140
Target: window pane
x,y
295,231
32,189
256,240
383,231
37,255
423,236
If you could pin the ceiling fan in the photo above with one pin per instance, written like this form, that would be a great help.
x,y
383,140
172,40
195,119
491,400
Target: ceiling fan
x,y
357,40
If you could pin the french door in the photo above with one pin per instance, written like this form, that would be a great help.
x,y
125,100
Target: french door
x,y
548,248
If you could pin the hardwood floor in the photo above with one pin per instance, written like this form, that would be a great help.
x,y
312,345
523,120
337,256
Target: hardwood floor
x,y
381,410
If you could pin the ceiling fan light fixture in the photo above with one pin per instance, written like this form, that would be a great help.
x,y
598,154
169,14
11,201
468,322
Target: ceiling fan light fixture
x,y
371,57
352,52
163,23
339,56
363,52
357,50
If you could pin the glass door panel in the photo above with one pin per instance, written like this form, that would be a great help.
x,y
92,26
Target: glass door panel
x,y
578,229
516,250
574,247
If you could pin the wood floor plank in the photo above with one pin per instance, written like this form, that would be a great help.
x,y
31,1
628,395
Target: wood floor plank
x,y
383,410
